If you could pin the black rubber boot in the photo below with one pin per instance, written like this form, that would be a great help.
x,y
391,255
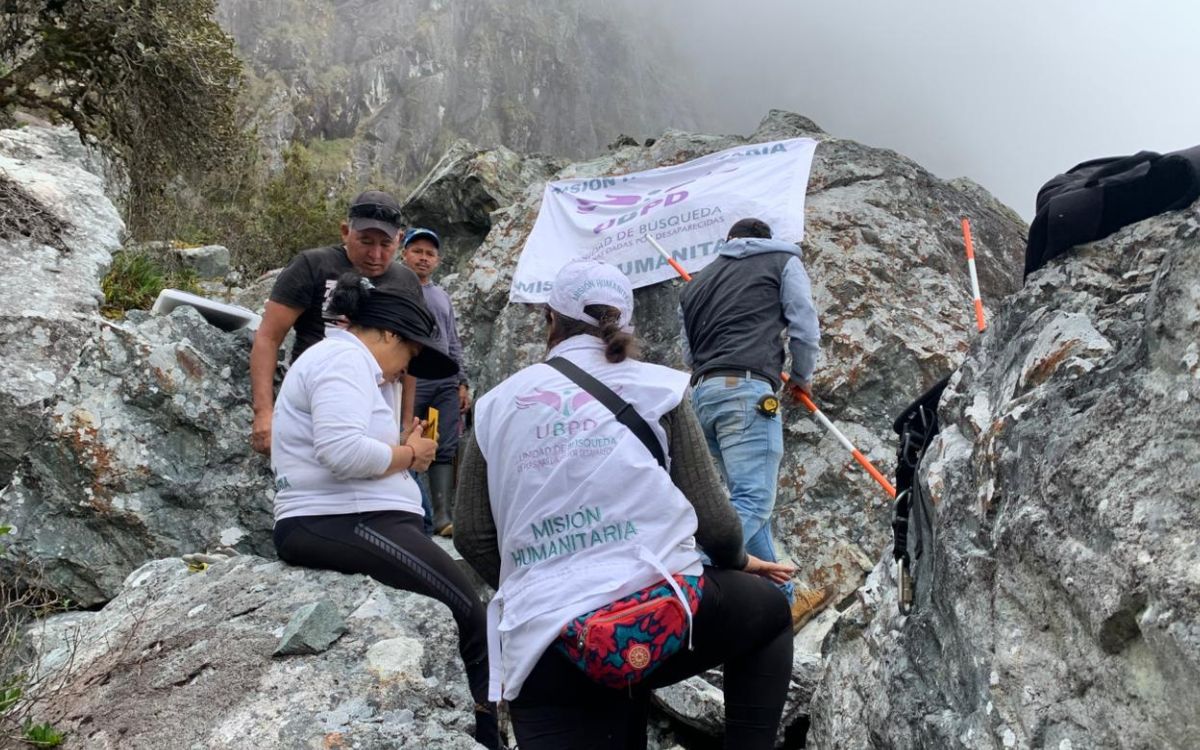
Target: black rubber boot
x,y
441,491
487,729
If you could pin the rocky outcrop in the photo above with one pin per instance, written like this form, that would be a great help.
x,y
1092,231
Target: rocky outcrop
x,y
883,246
143,454
208,262
184,659
390,86
203,649
462,190
119,442
52,268
1064,606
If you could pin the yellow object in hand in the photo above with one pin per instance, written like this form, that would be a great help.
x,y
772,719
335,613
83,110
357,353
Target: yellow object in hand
x,y
431,425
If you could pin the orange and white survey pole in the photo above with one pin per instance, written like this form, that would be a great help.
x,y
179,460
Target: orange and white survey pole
x,y
674,263
966,227
862,460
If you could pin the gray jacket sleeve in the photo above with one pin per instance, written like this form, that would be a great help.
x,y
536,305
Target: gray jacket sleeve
x,y
719,531
804,330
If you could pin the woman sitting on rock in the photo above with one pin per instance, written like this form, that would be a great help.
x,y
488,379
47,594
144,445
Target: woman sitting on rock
x,y
345,500
602,593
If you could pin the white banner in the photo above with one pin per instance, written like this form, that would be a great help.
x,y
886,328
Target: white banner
x,y
688,208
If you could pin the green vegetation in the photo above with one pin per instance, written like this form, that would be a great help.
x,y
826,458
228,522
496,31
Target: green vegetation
x,y
43,735
329,158
265,218
154,83
158,86
18,692
10,693
136,278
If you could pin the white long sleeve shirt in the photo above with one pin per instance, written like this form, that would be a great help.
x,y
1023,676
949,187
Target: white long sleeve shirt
x,y
332,435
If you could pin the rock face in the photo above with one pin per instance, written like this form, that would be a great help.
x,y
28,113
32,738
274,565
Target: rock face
x,y
143,455
207,262
51,292
462,190
1064,609
393,84
883,247
184,660
119,442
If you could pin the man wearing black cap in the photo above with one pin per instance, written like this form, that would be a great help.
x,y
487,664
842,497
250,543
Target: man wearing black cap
x,y
301,294
450,396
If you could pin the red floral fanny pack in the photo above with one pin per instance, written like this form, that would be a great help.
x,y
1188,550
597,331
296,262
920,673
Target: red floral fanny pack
x,y
621,643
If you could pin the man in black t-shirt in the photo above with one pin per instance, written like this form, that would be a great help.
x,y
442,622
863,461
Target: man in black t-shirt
x,y
301,293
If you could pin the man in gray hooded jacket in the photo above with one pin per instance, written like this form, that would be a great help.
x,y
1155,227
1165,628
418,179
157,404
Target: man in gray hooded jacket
x,y
733,312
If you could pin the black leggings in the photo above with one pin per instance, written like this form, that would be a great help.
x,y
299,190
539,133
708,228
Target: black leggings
x,y
743,622
391,547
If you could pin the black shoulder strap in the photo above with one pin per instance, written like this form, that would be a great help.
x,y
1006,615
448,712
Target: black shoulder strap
x,y
623,410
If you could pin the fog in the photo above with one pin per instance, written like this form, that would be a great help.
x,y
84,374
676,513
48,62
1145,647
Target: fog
x,y
1006,93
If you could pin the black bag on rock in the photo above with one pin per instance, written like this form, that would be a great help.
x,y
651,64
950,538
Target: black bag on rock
x,y
1098,197
912,521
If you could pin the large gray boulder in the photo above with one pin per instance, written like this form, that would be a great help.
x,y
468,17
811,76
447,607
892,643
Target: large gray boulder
x,y
459,194
1064,606
184,660
189,660
143,454
51,272
120,442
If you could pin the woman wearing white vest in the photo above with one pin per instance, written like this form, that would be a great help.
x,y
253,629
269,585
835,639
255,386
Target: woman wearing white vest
x,y
344,497
565,510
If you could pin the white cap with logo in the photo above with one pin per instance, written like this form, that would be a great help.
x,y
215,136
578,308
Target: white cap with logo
x,y
589,282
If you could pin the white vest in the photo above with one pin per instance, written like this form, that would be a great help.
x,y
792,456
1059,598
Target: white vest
x,y
584,514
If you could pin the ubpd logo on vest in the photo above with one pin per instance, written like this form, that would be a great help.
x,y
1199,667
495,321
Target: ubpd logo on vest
x,y
564,433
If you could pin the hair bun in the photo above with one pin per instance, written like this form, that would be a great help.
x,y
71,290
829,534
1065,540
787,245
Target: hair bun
x,y
350,294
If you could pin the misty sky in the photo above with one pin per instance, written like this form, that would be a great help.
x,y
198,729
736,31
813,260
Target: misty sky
x,y
1008,93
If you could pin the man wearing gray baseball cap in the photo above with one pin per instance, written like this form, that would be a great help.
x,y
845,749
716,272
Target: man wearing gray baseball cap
x,y
370,237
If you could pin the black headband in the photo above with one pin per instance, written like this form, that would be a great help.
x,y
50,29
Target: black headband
x,y
397,313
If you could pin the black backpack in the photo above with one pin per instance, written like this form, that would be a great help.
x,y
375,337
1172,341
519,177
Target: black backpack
x,y
912,520
1098,197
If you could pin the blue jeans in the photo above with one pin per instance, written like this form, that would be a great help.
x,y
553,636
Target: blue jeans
x,y
747,446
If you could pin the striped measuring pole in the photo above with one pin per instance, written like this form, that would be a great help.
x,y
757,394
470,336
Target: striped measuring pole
x,y
808,402
862,460
674,263
966,228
